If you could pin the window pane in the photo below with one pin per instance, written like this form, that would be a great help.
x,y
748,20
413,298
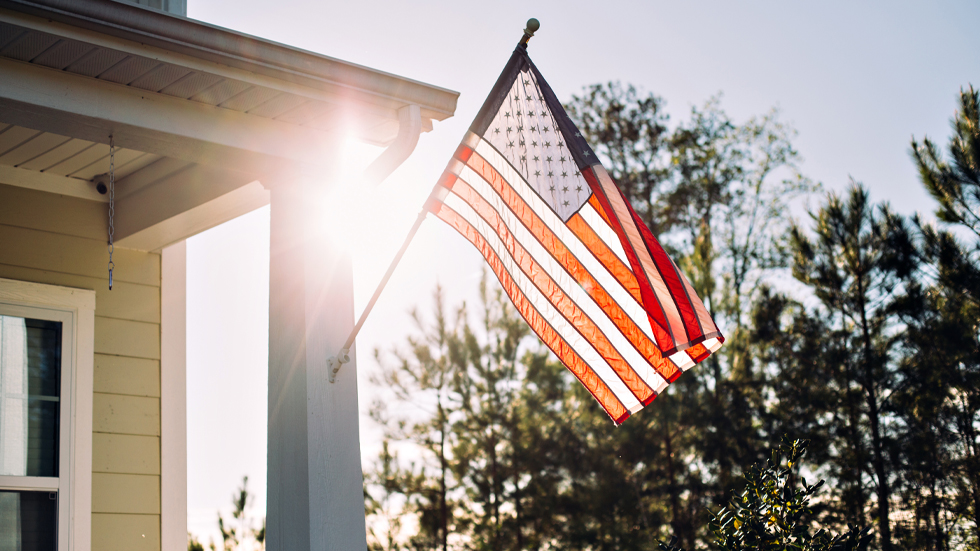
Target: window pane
x,y
30,404
28,521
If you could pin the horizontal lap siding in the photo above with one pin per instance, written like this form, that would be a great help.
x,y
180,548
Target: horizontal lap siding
x,y
59,240
114,532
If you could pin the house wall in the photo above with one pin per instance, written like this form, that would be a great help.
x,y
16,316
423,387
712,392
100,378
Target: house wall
x,y
61,240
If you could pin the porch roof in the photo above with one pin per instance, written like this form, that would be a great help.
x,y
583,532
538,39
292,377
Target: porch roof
x,y
180,57
200,114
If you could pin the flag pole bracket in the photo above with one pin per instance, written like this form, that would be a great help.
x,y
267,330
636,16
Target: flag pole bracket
x,y
336,362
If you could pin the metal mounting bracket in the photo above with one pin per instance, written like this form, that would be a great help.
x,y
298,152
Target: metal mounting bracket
x,y
334,363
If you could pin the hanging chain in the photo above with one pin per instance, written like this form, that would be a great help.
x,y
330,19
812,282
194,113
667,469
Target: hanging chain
x,y
112,207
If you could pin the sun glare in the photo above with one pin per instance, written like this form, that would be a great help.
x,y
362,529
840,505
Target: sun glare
x,y
350,210
370,223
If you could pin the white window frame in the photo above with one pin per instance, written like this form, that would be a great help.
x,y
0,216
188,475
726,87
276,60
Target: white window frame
x,y
75,308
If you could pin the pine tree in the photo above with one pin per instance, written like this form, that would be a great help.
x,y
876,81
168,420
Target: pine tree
x,y
940,310
847,267
955,183
426,377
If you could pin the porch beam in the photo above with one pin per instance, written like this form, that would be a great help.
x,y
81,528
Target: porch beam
x,y
183,204
51,183
154,237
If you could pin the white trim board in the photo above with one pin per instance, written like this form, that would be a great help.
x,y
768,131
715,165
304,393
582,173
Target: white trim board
x,y
173,398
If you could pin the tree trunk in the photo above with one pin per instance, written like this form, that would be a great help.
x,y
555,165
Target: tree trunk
x,y
677,523
874,418
444,509
883,489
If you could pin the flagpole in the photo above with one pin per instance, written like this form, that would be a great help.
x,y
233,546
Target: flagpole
x,y
334,363
344,356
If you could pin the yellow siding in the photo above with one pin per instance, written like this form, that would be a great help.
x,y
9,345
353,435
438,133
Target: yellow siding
x,y
120,414
61,240
122,375
128,301
125,454
75,255
112,532
24,208
135,339
125,493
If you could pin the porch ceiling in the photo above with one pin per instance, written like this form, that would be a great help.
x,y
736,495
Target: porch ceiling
x,y
64,157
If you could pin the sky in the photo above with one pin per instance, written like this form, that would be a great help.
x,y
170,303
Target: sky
x,y
856,80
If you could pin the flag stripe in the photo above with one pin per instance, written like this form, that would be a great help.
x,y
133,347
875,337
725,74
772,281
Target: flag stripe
x,y
597,246
671,276
595,353
609,259
661,312
698,352
576,295
575,363
554,235
600,210
707,322
682,360
602,228
714,344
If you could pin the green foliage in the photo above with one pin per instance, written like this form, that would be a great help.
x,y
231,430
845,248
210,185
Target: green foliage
x,y
955,183
772,513
237,532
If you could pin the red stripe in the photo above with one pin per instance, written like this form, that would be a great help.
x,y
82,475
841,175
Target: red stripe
x,y
698,352
599,390
555,294
463,152
594,201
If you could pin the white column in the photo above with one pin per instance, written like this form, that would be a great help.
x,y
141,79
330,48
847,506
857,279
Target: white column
x,y
173,398
315,491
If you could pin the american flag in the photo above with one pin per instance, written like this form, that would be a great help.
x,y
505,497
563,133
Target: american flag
x,y
578,263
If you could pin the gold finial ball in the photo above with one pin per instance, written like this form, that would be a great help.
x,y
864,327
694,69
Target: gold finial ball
x,y
532,26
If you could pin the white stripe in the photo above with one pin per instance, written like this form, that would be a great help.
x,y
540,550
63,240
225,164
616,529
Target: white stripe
x,y
682,360
570,286
541,303
712,345
612,286
602,229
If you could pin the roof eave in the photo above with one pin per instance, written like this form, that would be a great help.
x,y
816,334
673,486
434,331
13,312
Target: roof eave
x,y
242,51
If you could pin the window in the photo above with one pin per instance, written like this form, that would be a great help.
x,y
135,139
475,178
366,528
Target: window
x,y
44,435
